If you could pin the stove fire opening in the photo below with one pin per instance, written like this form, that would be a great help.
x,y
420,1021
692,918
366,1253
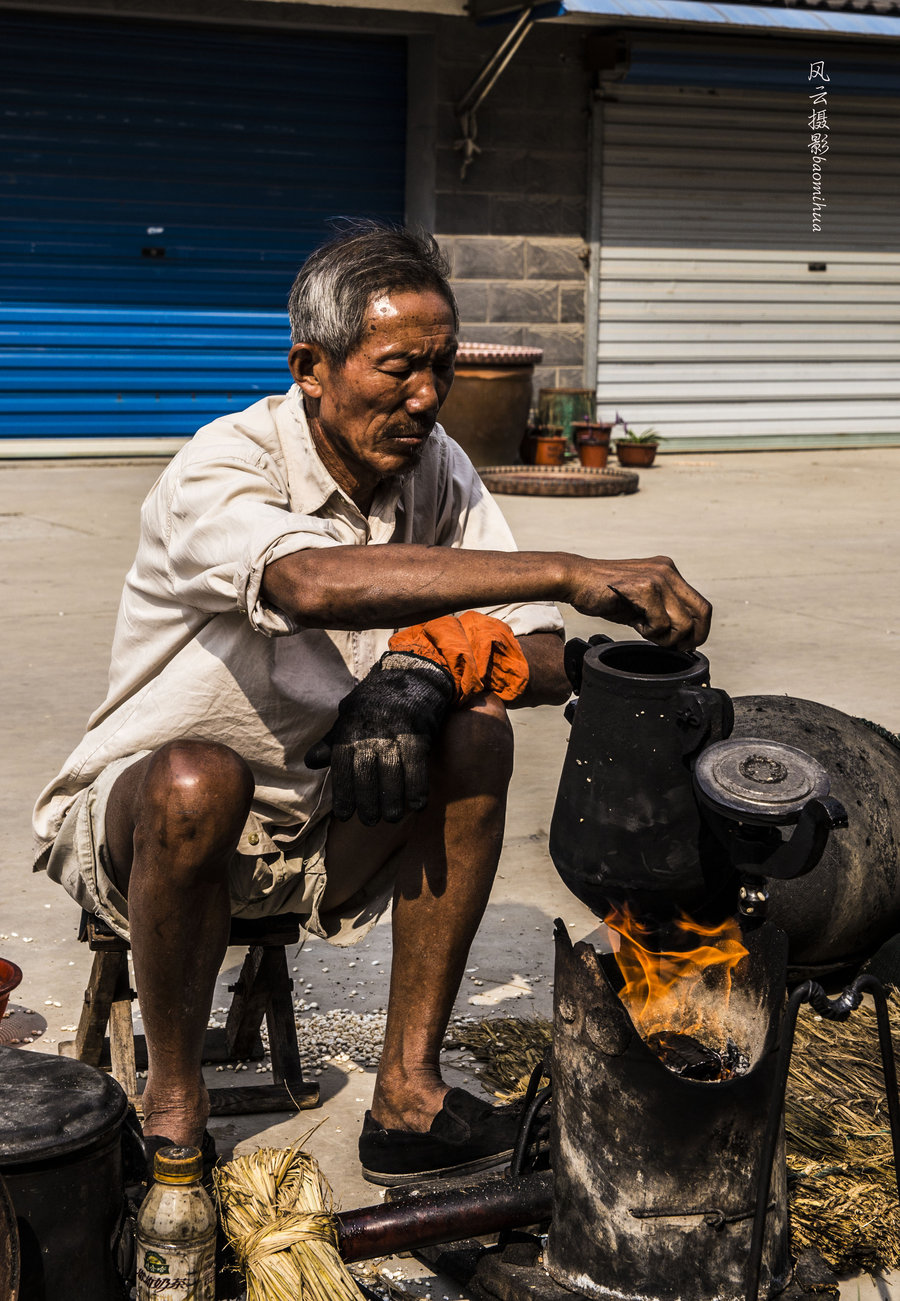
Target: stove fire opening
x,y
677,985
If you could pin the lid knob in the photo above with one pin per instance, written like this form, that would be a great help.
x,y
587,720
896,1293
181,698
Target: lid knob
x,y
762,768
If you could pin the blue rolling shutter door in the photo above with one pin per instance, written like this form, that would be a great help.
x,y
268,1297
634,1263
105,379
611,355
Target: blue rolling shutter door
x,y
160,186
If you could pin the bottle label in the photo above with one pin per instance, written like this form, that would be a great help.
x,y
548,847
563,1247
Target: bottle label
x,y
178,1276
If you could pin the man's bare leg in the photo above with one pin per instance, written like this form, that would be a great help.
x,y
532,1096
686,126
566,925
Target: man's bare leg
x,y
446,859
173,822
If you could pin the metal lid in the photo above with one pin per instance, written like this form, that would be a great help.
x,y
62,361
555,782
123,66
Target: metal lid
x,y
494,354
762,779
177,1165
50,1106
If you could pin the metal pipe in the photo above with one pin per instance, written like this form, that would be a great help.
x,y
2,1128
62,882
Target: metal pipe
x,y
833,1009
534,1105
888,1065
431,1218
478,90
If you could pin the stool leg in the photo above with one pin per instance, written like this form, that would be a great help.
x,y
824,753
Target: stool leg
x,y
106,974
286,1068
121,1034
264,989
248,1005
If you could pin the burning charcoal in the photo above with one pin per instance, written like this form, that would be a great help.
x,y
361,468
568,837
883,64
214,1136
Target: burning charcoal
x,y
734,1062
684,1055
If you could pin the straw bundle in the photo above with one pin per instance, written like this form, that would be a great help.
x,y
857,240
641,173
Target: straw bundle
x,y
511,1047
842,1187
276,1210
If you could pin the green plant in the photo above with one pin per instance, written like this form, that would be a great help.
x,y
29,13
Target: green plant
x,y
648,436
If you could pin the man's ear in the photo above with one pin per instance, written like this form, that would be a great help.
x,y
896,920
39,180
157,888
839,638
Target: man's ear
x,y
305,361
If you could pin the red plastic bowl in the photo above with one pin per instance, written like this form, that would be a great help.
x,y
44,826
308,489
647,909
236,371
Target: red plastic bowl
x,y
10,976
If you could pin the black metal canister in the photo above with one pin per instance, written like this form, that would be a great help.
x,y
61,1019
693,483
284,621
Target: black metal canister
x,y
626,823
61,1159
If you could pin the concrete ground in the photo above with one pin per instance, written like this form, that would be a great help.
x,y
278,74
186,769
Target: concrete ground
x,y
797,551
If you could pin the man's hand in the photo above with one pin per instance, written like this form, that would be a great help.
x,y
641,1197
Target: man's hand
x,y
379,746
648,595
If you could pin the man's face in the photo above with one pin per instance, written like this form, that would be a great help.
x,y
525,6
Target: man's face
x,y
376,411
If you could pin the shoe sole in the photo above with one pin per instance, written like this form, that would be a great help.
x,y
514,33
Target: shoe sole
x,y
492,1162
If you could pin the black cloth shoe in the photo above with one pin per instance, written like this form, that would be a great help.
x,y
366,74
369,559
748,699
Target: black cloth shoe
x,y
466,1135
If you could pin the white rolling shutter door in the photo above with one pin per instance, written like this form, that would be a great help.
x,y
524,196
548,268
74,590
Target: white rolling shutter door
x,y
712,325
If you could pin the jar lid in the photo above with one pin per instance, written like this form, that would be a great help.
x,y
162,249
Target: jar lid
x,y
497,354
177,1165
51,1106
759,780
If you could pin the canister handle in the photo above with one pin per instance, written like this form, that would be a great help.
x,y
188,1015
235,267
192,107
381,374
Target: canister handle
x,y
573,656
704,714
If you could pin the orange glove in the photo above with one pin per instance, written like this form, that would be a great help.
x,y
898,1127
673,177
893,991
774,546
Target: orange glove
x,y
479,651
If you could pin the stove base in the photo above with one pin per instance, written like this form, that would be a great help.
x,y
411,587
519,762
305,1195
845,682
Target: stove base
x,y
510,1273
515,1273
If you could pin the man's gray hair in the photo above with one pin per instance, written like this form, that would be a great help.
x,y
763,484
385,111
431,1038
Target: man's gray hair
x,y
330,299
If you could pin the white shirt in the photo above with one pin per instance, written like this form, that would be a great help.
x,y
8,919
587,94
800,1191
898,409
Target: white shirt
x,y
199,653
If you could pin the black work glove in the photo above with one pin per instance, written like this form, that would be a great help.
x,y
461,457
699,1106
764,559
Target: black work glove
x,y
378,748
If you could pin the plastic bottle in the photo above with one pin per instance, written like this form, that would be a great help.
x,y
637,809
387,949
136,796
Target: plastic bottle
x,y
176,1231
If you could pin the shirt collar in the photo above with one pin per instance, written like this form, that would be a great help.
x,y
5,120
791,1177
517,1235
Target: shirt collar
x,y
310,484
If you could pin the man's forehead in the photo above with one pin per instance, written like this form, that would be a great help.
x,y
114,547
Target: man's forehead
x,y
409,305
405,316
383,308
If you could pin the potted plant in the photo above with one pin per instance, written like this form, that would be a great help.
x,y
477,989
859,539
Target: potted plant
x,y
591,439
549,445
636,449
593,452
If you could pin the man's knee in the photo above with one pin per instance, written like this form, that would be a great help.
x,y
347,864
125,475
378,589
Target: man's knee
x,y
477,745
195,793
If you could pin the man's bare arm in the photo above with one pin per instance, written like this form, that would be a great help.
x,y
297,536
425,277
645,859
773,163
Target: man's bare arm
x,y
351,587
547,681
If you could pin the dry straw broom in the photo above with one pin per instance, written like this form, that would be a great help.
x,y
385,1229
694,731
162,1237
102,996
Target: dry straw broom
x,y
511,1046
276,1210
843,1191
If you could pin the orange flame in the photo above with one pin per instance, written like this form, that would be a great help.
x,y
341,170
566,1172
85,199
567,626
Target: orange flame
x,y
683,988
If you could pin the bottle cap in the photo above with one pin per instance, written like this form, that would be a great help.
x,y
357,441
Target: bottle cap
x,y
177,1165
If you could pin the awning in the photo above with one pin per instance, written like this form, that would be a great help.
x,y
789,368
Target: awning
x,y
748,17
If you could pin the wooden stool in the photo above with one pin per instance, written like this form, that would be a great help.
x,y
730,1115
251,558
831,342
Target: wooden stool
x,y
262,989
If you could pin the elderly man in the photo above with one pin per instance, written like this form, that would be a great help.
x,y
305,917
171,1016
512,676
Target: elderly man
x,y
297,721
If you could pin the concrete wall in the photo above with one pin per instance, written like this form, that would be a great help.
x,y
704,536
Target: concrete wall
x,y
514,227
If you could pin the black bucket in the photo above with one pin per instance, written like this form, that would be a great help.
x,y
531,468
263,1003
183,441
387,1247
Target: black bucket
x,y
61,1160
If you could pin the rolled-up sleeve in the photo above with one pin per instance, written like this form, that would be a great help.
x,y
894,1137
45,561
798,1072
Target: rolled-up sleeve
x,y
227,519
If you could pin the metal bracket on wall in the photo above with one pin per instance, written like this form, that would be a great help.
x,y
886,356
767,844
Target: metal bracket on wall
x,y
482,86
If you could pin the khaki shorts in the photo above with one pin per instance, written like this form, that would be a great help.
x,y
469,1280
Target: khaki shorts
x,y
274,869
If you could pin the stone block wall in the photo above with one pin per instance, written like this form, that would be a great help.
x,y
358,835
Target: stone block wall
x,y
514,226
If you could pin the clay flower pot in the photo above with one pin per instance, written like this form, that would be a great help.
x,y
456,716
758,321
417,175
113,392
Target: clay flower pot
x,y
10,977
591,431
629,453
549,449
486,411
592,454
